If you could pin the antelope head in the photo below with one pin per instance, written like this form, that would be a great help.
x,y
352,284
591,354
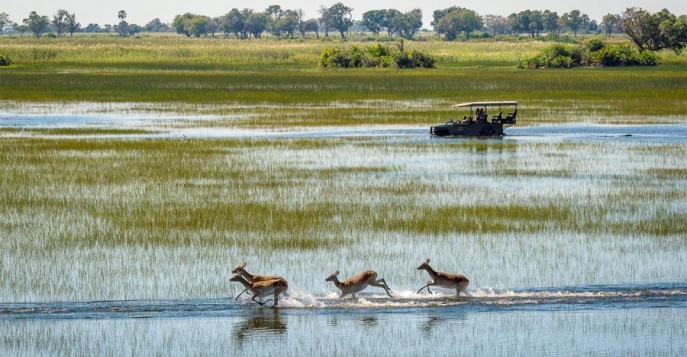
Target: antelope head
x,y
239,269
424,265
236,277
332,277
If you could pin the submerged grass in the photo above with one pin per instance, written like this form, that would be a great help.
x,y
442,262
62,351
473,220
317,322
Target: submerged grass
x,y
151,218
85,192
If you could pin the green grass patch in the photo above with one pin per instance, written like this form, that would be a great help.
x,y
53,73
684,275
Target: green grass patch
x,y
214,72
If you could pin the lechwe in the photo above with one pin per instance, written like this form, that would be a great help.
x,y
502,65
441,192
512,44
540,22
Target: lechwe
x,y
251,277
263,288
443,280
358,283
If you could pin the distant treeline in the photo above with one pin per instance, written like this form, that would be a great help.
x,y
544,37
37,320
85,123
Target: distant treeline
x,y
449,24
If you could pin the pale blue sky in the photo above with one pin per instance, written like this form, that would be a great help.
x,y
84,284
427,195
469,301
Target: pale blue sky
x,y
142,11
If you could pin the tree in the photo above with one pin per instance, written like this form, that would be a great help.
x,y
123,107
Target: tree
x,y
155,25
59,22
191,24
300,16
4,21
496,24
182,23
199,25
72,25
213,26
610,23
373,20
389,22
408,23
529,22
36,23
550,20
287,23
574,20
256,23
312,25
457,21
275,13
123,27
338,16
657,31
233,22
92,28
20,28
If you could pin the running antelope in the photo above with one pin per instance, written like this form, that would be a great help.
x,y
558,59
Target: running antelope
x,y
251,277
358,283
443,280
263,288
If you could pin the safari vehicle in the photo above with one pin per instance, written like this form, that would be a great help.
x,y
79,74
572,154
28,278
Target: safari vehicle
x,y
482,119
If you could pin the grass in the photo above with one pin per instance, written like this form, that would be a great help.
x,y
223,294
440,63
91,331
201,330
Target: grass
x,y
208,192
179,213
214,72
163,218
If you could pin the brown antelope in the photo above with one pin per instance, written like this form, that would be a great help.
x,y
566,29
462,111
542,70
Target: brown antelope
x,y
444,280
251,277
358,283
263,288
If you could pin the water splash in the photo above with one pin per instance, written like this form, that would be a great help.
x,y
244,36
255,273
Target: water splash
x,y
596,297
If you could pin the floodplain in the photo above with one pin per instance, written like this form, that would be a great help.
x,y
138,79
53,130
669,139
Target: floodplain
x,y
134,181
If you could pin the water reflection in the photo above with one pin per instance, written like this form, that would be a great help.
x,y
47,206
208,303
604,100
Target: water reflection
x,y
262,323
368,321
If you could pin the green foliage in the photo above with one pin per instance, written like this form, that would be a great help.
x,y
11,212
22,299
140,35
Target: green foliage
x,y
453,21
594,52
36,23
4,60
337,17
190,24
375,56
655,31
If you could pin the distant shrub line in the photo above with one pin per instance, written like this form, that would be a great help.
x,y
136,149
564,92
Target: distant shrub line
x,y
4,60
375,56
592,53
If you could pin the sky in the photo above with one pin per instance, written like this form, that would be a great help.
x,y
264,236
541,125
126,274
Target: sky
x,y
141,12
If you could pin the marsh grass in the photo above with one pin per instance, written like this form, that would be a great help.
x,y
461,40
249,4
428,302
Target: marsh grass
x,y
215,72
73,131
152,218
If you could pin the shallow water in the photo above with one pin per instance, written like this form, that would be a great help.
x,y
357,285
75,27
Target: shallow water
x,y
557,293
591,320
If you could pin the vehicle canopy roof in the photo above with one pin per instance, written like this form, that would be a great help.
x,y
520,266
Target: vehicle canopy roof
x,y
485,104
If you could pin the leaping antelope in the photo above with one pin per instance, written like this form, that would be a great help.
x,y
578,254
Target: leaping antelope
x,y
251,277
358,283
443,280
262,288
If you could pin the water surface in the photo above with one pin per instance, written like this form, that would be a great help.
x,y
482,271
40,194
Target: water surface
x,y
553,293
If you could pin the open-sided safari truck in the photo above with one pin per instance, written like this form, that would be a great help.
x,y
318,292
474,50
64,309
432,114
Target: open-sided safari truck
x,y
481,119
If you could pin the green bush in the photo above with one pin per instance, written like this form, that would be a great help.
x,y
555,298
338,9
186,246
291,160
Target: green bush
x,y
592,53
594,44
4,60
554,37
648,58
375,56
